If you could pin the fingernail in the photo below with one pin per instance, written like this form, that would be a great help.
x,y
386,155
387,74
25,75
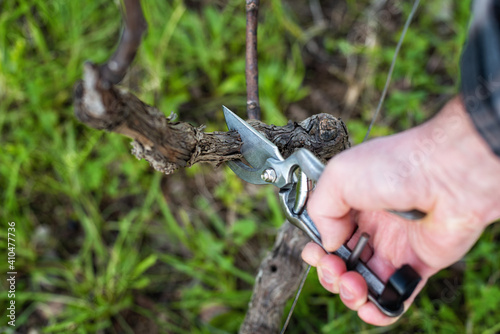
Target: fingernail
x,y
328,278
325,275
345,292
327,242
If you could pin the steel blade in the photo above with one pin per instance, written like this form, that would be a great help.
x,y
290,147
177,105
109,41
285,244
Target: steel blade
x,y
256,148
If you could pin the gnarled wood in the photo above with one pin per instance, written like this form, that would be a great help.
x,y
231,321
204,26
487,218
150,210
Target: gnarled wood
x,y
277,281
322,134
168,145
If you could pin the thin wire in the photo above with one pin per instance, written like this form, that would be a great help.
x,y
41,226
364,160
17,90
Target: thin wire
x,y
391,69
299,290
382,98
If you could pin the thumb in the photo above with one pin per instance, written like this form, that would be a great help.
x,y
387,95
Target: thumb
x,y
363,178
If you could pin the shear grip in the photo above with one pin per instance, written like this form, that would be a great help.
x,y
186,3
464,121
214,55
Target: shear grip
x,y
389,298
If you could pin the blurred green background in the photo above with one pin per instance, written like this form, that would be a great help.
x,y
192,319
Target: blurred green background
x,y
106,245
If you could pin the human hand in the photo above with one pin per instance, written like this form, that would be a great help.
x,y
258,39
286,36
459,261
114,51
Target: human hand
x,y
443,168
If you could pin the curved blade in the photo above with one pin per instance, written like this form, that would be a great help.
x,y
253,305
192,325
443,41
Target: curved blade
x,y
256,148
246,173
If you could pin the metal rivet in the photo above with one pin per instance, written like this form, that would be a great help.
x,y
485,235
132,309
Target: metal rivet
x,y
269,175
353,259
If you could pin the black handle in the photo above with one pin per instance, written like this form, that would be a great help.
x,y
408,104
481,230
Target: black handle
x,y
399,288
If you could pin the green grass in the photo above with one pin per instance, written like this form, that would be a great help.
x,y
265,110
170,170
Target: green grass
x,y
103,243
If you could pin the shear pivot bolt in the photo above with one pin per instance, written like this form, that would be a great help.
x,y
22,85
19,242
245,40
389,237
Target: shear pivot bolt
x,y
269,175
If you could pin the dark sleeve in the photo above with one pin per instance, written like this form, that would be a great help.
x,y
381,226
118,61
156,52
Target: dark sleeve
x,y
480,71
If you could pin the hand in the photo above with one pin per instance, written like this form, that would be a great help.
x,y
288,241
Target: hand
x,y
443,168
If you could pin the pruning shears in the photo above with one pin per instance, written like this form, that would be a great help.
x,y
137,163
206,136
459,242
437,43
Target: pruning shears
x,y
295,177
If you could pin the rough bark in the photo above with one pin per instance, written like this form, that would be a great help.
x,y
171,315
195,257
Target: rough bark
x,y
322,134
277,280
168,145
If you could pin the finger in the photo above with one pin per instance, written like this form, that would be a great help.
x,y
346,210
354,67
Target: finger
x,y
328,193
353,290
329,213
330,268
334,231
312,253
